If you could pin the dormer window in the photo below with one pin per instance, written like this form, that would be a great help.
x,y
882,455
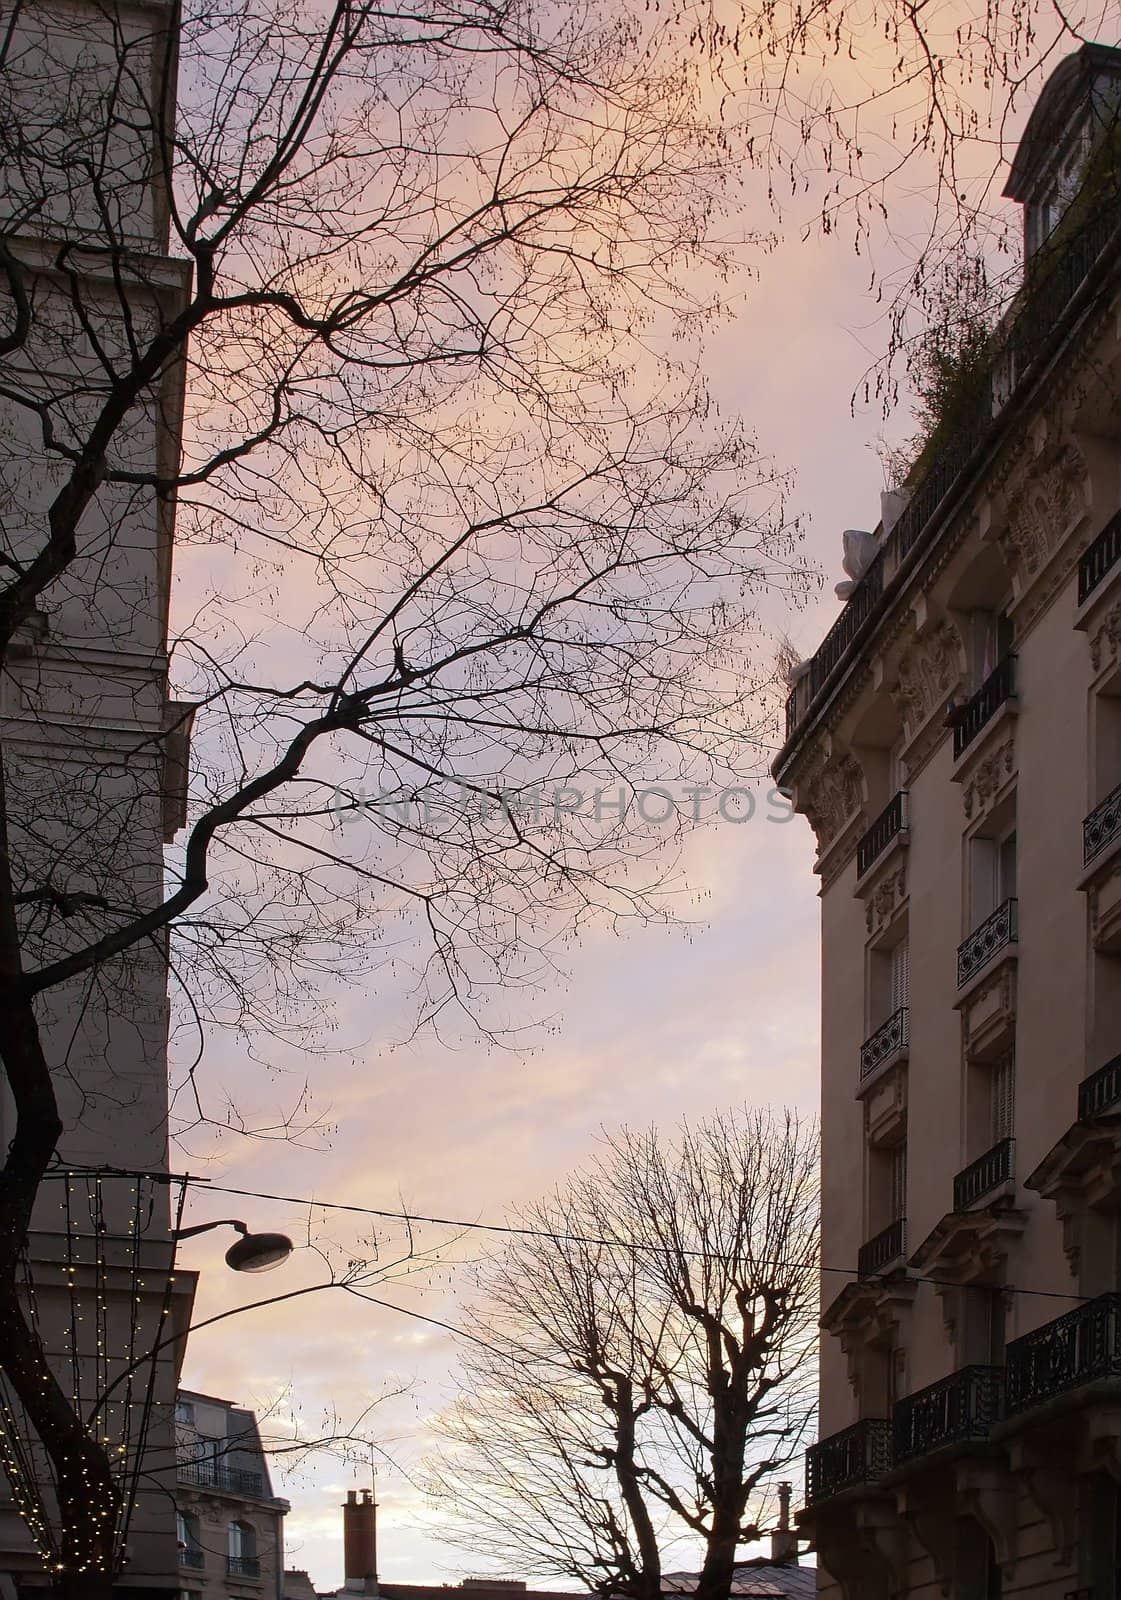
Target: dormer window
x,y
1073,115
1043,214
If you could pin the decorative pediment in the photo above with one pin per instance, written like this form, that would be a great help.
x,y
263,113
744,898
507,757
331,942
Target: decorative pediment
x,y
969,1246
867,1312
1082,1172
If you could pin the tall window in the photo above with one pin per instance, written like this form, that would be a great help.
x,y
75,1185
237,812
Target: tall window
x,y
992,872
990,638
1004,1096
900,976
242,1544
898,1190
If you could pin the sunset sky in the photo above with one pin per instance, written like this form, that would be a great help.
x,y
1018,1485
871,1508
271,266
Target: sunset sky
x,y
654,1026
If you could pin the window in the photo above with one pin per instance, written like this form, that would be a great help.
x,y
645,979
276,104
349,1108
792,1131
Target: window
x,y
990,637
243,1542
992,872
898,1194
900,976
189,1539
1004,1097
184,1411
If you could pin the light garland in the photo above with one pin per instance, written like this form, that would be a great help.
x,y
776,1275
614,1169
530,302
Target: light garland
x,y
87,1533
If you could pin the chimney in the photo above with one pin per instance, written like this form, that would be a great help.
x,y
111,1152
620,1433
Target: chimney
x,y
784,1540
360,1543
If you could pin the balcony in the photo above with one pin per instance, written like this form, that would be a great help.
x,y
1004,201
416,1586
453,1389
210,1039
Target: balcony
x,y
881,1251
857,1455
189,1556
956,1410
208,1475
984,1175
858,608
1100,559
982,707
243,1567
993,935
888,1041
891,821
1101,827
1080,1347
1100,1092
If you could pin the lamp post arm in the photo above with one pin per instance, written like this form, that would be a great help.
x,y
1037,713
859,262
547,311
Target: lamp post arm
x,y
205,1227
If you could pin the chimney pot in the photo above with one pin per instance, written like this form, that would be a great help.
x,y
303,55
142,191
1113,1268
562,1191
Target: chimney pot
x,y
784,1540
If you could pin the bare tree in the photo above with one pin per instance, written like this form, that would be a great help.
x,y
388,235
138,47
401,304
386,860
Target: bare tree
x,y
642,1359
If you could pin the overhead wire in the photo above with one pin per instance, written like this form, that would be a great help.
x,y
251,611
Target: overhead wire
x,y
515,1230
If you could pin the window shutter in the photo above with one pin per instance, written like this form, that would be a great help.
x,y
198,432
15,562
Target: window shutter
x,y
1004,1097
900,975
899,1181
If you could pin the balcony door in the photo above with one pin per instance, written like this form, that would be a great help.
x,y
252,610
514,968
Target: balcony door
x,y
992,873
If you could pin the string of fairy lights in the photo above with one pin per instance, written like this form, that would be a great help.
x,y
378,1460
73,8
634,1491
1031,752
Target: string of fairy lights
x,y
107,1219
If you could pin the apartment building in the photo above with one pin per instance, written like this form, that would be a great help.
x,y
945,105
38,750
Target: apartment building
x,y
230,1523
955,743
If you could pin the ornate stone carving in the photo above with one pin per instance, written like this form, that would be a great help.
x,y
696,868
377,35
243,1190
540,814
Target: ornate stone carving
x,y
928,674
1106,638
988,778
1044,509
885,899
833,794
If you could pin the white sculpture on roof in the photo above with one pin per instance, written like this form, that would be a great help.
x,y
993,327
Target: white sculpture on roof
x,y
859,547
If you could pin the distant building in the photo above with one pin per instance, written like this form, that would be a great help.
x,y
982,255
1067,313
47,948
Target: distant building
x,y
955,742
777,1577
231,1525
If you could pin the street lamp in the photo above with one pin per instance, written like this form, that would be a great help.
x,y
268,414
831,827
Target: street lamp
x,y
253,1252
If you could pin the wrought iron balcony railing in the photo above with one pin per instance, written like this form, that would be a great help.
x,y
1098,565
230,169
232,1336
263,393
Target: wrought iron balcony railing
x,y
984,705
1100,559
1079,1347
243,1566
1102,826
880,1251
986,941
955,1410
1101,1091
209,1475
857,1455
888,1040
984,1175
891,820
858,608
190,1556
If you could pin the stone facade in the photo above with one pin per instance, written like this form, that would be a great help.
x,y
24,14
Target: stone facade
x,y
970,1417
230,1524
93,747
